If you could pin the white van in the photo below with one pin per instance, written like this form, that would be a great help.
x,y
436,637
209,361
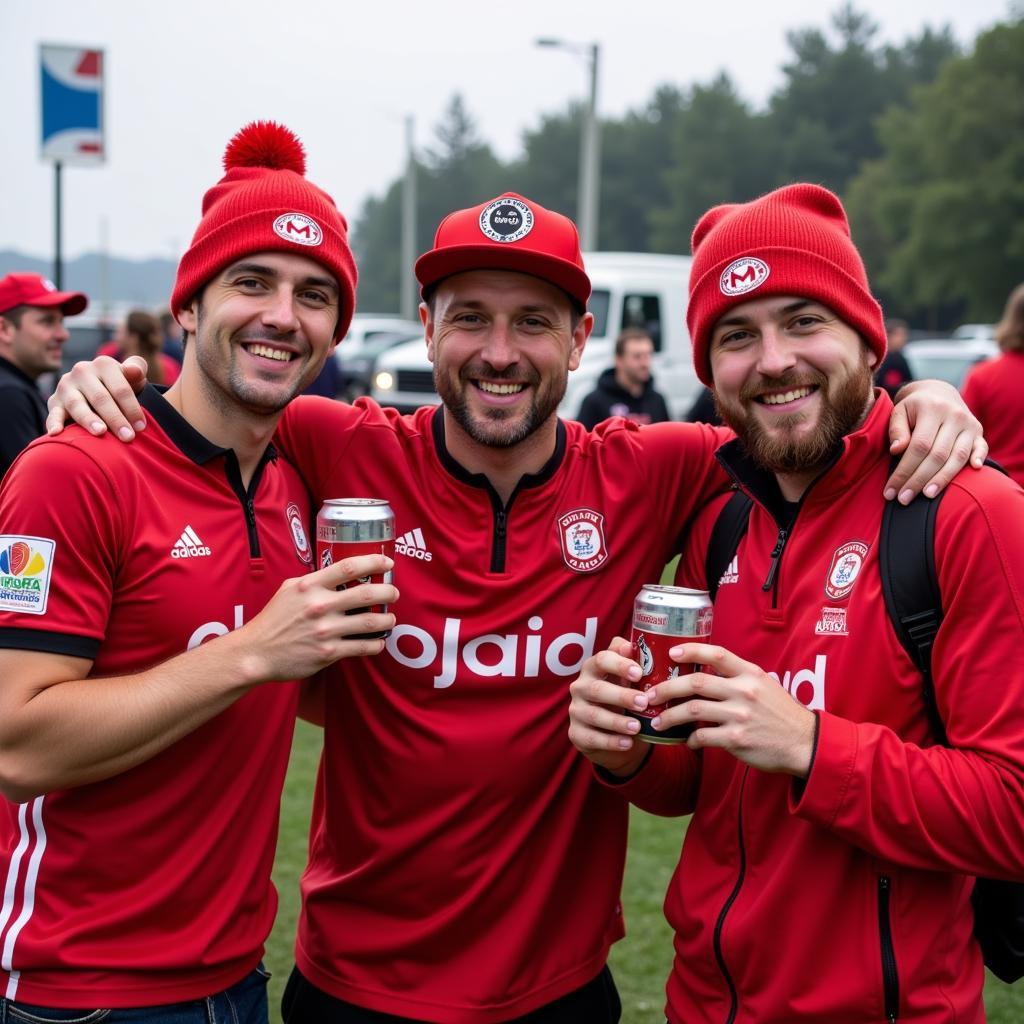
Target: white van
x,y
630,289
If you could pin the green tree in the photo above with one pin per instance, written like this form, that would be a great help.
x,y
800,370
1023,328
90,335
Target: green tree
x,y
943,209
720,152
457,170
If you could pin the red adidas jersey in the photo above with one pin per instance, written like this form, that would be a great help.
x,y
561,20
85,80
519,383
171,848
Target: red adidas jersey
x,y
154,885
464,864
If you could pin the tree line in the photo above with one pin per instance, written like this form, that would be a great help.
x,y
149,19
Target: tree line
x,y
924,143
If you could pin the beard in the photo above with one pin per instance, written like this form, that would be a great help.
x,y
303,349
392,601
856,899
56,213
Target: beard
x,y
781,449
500,428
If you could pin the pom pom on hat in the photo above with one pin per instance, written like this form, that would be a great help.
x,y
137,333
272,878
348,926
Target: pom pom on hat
x,y
264,203
793,241
266,144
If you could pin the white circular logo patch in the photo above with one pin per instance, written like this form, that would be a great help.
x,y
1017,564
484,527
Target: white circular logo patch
x,y
743,275
506,220
298,228
298,531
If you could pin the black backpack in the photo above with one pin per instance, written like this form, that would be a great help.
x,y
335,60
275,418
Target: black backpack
x,y
910,585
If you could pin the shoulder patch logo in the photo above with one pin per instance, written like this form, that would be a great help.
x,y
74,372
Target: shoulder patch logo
x,y
298,532
26,564
743,275
847,563
298,228
581,533
506,220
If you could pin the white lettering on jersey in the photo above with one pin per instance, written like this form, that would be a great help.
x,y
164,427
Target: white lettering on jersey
x,y
211,629
493,654
806,685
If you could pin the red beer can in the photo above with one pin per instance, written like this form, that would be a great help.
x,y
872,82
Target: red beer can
x,y
662,618
356,526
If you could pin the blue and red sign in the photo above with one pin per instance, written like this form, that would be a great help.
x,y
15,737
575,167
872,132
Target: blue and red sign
x,y
72,104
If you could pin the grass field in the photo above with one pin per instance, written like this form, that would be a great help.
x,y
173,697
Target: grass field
x,y
640,962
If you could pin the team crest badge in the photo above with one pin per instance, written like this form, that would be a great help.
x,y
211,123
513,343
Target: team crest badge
x,y
743,275
298,228
298,532
846,565
581,533
506,220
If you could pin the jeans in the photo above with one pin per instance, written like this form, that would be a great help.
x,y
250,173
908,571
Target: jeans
x,y
244,1003
597,1002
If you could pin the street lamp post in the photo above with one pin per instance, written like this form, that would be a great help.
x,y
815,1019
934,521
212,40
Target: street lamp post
x,y
407,277
589,190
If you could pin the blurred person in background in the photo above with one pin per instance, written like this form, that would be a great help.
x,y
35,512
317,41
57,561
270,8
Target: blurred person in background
x,y
139,334
32,336
894,370
626,389
172,336
994,390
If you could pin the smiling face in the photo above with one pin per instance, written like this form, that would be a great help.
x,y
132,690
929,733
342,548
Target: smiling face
x,y
502,345
791,379
262,329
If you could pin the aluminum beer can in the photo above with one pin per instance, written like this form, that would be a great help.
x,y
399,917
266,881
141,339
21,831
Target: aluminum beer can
x,y
356,526
662,618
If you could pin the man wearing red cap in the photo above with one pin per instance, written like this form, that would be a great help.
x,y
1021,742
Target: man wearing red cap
x,y
837,823
151,600
32,334
465,866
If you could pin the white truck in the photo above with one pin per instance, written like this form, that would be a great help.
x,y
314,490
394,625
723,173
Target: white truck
x,y
629,289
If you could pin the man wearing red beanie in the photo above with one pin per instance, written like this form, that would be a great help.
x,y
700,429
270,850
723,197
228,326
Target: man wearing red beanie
x,y
465,866
151,600
842,802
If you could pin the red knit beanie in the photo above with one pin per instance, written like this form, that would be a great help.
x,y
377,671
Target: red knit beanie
x,y
264,203
793,241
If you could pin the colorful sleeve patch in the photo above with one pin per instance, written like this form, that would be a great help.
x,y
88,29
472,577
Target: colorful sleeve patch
x,y
25,567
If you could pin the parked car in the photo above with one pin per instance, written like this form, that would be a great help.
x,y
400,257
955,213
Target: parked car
x,y
975,331
947,359
369,336
629,290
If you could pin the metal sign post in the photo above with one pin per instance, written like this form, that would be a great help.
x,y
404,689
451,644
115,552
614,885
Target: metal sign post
x,y
71,83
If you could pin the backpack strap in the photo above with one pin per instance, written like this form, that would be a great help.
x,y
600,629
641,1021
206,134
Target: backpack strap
x,y
726,534
906,558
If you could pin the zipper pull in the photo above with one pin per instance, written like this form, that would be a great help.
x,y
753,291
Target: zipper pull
x,y
776,557
250,511
499,525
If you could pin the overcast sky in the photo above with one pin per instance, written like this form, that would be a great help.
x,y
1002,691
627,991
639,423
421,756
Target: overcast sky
x,y
182,76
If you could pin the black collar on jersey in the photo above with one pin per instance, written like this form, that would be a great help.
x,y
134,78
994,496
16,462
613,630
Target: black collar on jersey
x,y
185,437
457,470
18,372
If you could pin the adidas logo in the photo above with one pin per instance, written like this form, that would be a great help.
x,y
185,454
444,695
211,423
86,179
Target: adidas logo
x,y
732,572
188,545
413,544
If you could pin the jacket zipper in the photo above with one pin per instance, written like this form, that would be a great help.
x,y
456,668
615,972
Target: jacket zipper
x,y
890,977
734,1002
771,580
500,535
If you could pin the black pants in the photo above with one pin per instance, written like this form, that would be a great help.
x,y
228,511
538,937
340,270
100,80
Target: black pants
x,y
597,1002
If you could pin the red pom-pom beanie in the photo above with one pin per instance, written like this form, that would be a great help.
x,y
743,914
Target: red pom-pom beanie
x,y
793,241
264,203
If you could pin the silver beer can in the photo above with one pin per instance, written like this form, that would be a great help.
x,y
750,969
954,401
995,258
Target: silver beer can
x,y
356,526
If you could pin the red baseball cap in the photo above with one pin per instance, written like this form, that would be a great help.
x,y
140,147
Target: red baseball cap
x,y
33,290
507,233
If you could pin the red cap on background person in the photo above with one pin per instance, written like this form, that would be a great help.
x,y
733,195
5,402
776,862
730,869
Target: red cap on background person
x,y
265,203
507,233
793,241
33,290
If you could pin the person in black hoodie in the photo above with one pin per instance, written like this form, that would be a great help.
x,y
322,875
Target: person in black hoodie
x,y
627,388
